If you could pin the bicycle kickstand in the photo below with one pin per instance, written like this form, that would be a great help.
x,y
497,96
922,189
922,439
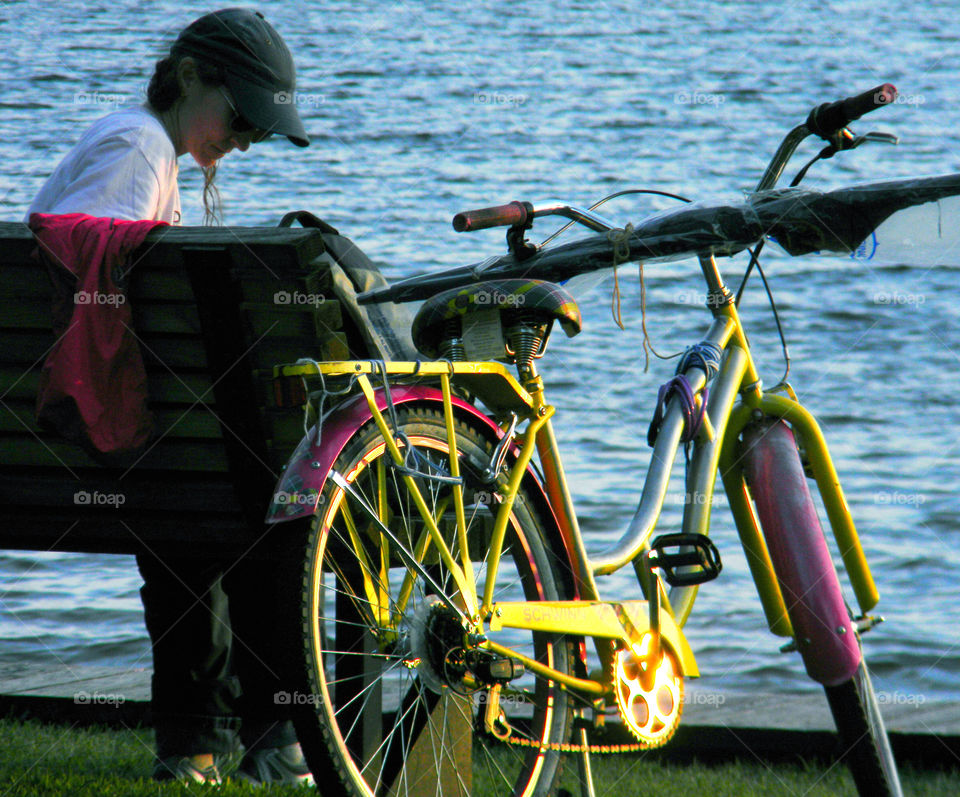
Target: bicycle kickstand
x,y
583,760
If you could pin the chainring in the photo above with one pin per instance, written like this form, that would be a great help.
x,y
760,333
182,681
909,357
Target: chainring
x,y
652,716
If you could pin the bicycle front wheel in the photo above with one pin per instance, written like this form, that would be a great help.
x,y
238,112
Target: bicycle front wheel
x,y
863,737
397,701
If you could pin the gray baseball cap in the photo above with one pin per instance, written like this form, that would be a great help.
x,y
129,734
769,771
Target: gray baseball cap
x,y
258,67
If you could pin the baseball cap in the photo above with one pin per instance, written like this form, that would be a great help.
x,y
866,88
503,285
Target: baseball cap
x,y
258,67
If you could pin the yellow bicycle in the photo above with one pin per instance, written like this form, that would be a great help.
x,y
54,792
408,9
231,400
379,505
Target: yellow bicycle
x,y
446,599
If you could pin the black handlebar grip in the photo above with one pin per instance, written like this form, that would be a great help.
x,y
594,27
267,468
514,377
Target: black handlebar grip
x,y
827,119
500,216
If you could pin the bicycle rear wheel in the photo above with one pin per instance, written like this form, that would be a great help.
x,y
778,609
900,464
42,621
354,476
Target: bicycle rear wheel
x,y
812,593
395,699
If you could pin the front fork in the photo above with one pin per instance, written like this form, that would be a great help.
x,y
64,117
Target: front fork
x,y
812,441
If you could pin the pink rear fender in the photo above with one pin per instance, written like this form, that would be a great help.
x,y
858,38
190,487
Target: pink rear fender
x,y
801,559
299,489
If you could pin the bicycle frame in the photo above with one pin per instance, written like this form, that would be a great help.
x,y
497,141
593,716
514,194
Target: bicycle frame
x,y
631,622
402,548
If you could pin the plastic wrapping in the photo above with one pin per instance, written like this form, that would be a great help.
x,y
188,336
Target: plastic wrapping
x,y
843,220
847,220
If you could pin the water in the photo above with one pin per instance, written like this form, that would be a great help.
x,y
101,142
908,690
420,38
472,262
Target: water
x,y
420,110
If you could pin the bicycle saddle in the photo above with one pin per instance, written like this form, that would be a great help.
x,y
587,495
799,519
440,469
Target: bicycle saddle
x,y
440,323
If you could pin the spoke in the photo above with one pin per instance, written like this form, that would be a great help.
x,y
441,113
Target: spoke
x,y
372,685
364,695
385,656
359,604
444,731
398,727
408,558
375,592
420,551
351,623
372,605
492,764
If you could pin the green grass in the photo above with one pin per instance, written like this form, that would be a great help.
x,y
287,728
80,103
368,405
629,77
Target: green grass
x,y
626,776
37,759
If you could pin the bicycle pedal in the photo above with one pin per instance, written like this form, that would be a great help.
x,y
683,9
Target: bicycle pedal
x,y
696,553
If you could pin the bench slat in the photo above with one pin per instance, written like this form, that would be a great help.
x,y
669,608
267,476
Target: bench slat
x,y
214,310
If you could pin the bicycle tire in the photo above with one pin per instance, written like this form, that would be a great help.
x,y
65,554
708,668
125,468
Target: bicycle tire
x,y
776,478
360,724
863,738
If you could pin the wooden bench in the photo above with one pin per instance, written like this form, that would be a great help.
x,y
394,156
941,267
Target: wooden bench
x,y
208,307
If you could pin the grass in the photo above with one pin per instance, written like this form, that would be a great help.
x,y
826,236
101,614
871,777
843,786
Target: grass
x,y
39,759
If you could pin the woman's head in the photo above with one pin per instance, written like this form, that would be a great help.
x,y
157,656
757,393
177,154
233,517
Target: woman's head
x,y
195,102
228,82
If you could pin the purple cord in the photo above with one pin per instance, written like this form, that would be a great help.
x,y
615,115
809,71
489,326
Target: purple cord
x,y
693,419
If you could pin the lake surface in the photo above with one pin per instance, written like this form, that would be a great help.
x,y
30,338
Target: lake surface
x,y
418,110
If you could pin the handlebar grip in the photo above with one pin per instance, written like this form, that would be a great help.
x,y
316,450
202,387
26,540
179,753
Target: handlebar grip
x,y
499,216
827,119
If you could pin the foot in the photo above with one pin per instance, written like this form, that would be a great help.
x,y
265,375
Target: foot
x,y
188,769
275,765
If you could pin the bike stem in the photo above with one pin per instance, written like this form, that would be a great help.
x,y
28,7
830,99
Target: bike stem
x,y
783,154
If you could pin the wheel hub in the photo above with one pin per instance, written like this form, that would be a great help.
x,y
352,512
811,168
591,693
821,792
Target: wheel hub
x,y
436,640
437,647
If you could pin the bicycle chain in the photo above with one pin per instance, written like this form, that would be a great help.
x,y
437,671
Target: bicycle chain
x,y
570,747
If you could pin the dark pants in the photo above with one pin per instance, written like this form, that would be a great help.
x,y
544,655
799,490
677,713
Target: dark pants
x,y
215,664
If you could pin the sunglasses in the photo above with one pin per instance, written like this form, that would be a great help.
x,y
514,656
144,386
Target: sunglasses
x,y
240,124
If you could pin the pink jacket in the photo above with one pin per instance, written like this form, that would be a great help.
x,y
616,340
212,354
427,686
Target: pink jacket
x,y
93,387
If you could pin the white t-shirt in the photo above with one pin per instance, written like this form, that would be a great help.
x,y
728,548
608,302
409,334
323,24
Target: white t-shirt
x,y
124,167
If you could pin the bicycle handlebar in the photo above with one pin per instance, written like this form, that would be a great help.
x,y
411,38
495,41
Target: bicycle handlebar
x,y
827,119
696,230
499,216
799,227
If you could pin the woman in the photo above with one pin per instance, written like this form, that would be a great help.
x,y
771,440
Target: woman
x,y
226,84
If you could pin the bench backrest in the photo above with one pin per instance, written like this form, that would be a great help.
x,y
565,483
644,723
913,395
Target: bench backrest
x,y
214,309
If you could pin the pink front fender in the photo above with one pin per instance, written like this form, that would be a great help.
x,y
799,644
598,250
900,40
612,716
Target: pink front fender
x,y
299,489
821,623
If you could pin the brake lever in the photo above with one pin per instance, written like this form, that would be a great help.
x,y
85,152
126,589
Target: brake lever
x,y
844,139
875,137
